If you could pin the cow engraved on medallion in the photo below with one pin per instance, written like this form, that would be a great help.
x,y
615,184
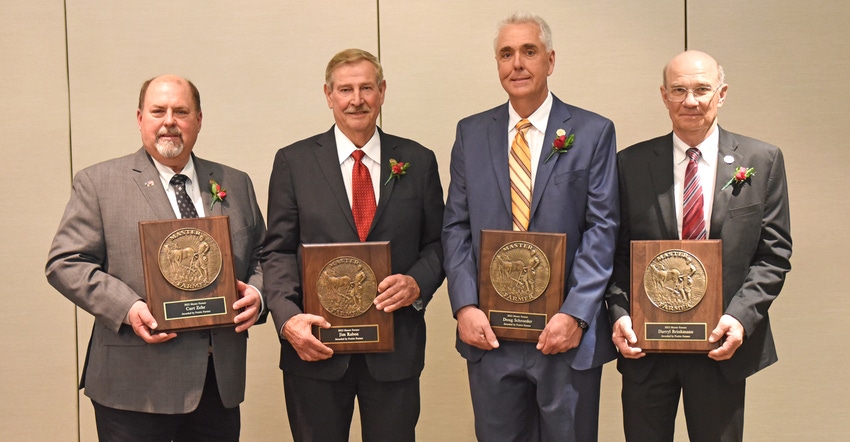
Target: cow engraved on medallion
x,y
520,272
675,281
346,287
189,259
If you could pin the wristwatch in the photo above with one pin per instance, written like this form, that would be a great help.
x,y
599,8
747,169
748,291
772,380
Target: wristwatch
x,y
581,324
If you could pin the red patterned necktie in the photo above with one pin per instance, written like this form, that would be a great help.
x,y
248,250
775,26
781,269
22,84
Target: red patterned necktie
x,y
693,220
363,195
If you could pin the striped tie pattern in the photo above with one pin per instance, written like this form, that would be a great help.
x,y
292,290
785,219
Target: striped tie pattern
x,y
519,163
693,220
362,195
184,203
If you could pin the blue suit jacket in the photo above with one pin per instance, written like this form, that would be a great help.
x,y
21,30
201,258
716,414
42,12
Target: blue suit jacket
x,y
573,193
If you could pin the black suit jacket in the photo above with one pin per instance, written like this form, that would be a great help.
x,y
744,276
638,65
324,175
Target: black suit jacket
x,y
308,205
751,218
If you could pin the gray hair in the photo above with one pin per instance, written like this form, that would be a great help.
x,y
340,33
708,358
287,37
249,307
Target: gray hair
x,y
521,18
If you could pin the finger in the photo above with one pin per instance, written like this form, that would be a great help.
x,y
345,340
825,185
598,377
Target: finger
x,y
490,337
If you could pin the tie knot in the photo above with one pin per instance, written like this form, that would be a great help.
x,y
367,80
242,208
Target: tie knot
x,y
358,155
522,126
179,180
694,154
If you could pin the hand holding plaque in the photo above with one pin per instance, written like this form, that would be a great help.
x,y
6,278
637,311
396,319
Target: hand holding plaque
x,y
521,281
340,283
677,294
189,274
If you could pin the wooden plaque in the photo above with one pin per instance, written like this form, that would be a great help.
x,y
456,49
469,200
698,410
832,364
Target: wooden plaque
x,y
677,294
189,274
340,281
521,281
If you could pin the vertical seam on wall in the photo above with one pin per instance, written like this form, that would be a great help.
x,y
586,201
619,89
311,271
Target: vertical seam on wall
x,y
686,24
71,176
378,14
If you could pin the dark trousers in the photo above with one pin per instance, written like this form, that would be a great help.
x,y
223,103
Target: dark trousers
x,y
321,411
209,422
714,407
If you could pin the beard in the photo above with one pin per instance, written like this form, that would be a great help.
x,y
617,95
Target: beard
x,y
169,148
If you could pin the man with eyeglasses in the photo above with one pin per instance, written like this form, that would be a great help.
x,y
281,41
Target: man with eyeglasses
x,y
738,188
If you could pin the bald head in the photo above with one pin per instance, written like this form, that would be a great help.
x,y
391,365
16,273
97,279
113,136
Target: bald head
x,y
695,59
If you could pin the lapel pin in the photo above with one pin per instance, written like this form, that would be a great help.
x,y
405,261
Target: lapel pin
x,y
149,184
728,159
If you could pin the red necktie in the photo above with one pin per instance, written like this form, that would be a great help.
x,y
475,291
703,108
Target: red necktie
x,y
693,220
363,195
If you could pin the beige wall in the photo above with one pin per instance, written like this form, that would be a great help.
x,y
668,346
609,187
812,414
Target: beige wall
x,y
260,67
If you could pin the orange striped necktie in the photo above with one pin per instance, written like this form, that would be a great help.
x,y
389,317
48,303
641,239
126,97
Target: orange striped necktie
x,y
519,163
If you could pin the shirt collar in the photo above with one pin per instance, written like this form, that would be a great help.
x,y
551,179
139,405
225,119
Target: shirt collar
x,y
344,146
539,118
708,148
166,173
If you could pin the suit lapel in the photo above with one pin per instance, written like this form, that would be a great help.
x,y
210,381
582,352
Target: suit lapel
x,y
498,154
559,118
327,163
147,178
387,151
727,146
205,173
660,169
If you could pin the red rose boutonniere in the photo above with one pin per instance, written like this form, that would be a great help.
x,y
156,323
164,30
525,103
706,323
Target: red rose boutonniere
x,y
561,144
218,193
397,169
742,174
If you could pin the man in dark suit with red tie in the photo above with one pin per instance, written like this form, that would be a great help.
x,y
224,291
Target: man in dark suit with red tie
x,y
339,187
699,182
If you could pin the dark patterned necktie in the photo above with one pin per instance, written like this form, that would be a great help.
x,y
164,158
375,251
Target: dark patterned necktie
x,y
362,195
693,220
184,203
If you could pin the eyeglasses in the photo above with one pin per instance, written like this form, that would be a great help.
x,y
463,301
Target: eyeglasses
x,y
701,93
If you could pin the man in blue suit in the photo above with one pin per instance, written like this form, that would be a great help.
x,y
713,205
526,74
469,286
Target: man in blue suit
x,y
548,390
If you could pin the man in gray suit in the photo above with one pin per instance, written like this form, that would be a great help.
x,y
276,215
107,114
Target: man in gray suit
x,y
311,201
747,211
147,385
548,390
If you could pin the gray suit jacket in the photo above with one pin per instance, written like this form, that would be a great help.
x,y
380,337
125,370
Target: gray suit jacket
x,y
95,261
752,219
308,204
573,193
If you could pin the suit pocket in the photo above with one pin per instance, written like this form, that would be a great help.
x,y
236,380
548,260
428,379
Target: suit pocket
x,y
124,338
744,211
570,176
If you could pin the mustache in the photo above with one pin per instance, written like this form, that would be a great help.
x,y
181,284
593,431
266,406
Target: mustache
x,y
355,109
169,131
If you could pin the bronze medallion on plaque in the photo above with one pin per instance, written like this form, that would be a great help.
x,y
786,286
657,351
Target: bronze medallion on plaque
x,y
340,283
189,273
677,294
521,281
